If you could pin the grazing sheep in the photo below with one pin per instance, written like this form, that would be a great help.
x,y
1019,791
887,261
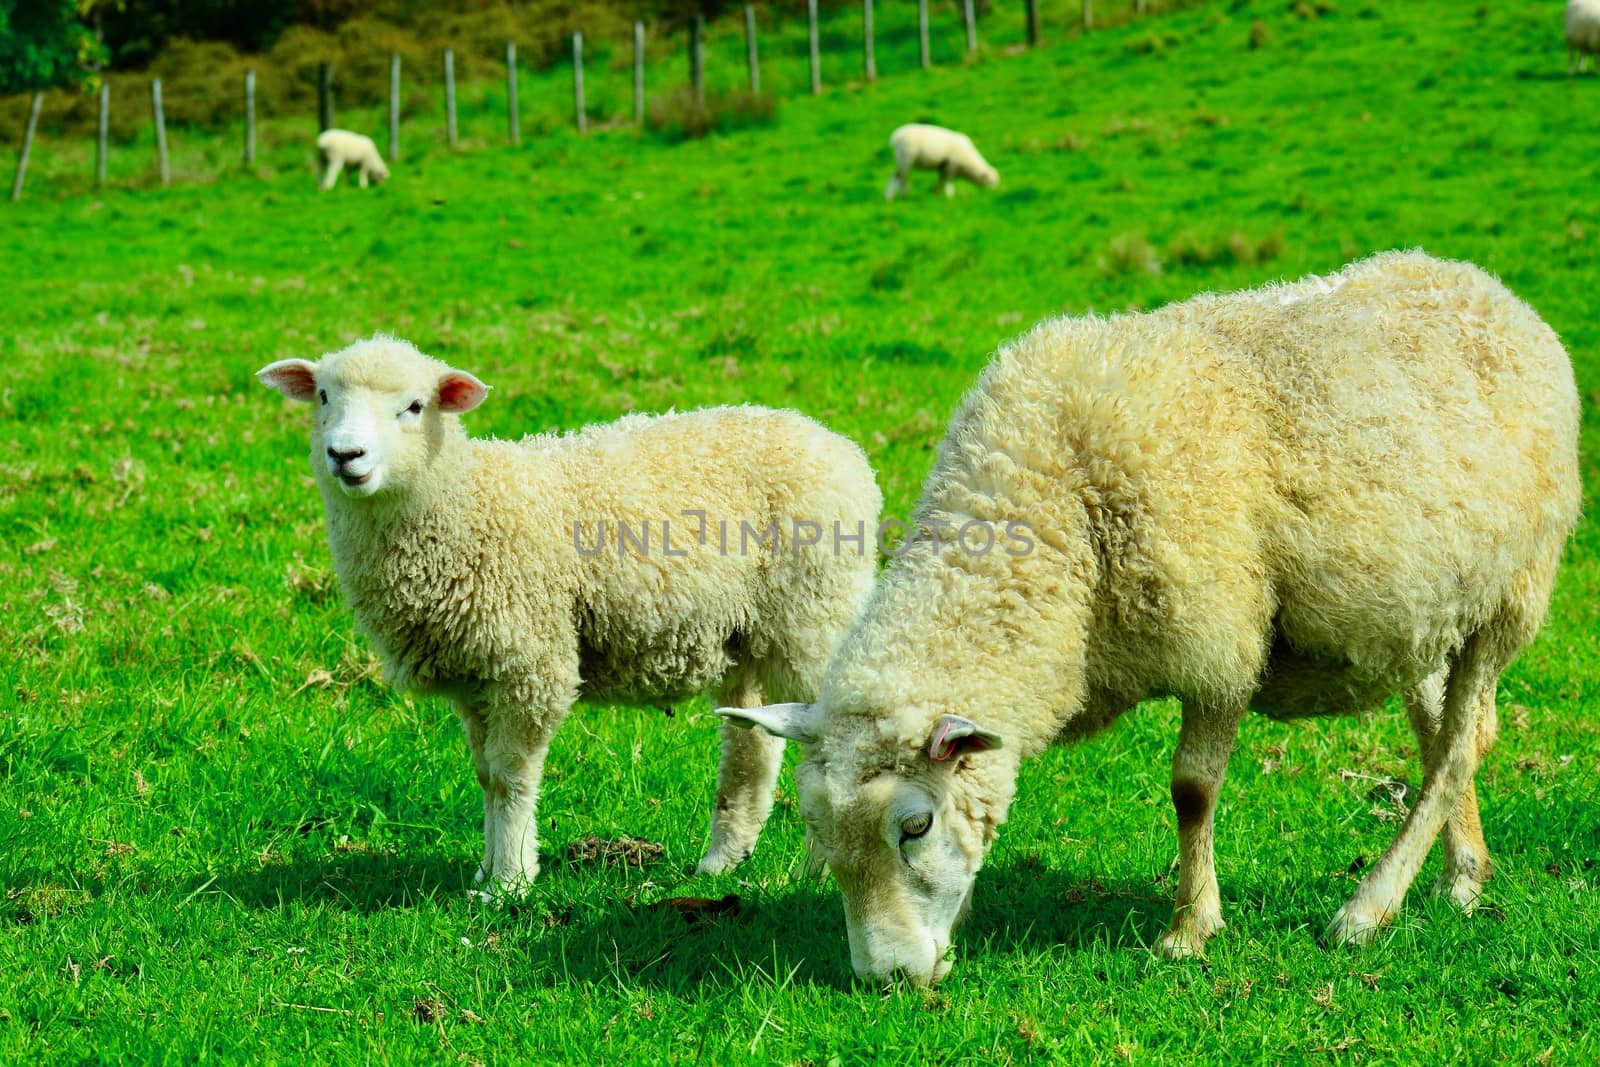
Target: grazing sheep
x,y
1303,499
1582,24
950,153
341,148
642,561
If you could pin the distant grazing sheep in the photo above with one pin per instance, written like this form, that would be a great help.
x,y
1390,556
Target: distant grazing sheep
x,y
640,561
341,148
1302,499
1582,23
923,147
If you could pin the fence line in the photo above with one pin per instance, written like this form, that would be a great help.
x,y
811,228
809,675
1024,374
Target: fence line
x,y
696,30
450,97
27,145
394,105
513,125
161,132
102,125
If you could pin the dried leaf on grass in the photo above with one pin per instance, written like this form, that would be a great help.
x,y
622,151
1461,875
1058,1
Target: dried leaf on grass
x,y
618,852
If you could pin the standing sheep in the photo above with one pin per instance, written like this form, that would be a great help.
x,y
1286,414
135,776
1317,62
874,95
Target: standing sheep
x,y
1582,24
952,154
341,148
1303,499
643,560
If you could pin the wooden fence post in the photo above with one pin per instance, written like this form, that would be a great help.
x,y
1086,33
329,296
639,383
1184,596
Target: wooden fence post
x,y
394,105
752,60
922,34
161,132
514,126
697,58
324,96
970,14
816,56
577,83
450,97
250,117
638,73
1138,7
27,145
100,134
1088,15
869,62
1033,23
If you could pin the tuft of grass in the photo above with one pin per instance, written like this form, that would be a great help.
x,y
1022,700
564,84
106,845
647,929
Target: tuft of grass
x,y
1129,253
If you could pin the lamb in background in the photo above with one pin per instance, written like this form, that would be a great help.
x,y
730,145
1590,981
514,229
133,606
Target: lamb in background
x,y
1302,499
497,573
953,155
341,148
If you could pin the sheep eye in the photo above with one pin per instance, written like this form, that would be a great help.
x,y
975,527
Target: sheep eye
x,y
415,408
323,393
913,826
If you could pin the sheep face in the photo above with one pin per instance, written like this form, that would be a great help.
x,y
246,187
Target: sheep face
x,y
903,841
380,410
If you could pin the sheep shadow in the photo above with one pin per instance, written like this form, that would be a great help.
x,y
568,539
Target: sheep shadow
x,y
631,930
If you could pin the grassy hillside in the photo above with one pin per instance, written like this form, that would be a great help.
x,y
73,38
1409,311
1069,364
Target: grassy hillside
x,y
222,836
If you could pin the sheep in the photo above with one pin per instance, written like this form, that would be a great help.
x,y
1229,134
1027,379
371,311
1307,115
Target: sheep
x,y
483,571
1582,24
1303,499
341,148
950,153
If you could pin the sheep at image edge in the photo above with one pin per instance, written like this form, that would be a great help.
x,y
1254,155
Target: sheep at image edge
x,y
481,571
1581,21
923,147
341,149
1302,499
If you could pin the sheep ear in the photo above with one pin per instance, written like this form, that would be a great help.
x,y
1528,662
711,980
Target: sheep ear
x,y
460,391
797,722
294,378
954,736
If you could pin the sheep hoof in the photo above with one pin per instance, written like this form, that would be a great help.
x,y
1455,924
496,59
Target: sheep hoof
x,y
1180,945
1461,888
720,859
1355,925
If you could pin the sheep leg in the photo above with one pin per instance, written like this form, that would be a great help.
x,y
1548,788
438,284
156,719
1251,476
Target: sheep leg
x,y
1204,743
745,781
477,735
331,176
947,181
1466,857
362,179
516,746
1450,763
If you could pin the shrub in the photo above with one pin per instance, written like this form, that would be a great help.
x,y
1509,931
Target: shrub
x,y
678,116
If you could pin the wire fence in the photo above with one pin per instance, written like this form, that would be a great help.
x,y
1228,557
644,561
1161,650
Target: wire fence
x,y
846,48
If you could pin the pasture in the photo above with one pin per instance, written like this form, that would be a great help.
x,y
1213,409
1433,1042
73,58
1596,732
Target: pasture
x,y
222,836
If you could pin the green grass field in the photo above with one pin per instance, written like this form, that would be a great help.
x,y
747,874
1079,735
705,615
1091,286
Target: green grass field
x,y
223,837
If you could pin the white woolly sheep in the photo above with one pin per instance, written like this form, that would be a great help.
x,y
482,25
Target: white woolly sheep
x,y
341,148
1303,499
1582,24
953,155
640,561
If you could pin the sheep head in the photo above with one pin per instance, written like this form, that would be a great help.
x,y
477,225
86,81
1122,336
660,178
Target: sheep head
x,y
903,837
383,412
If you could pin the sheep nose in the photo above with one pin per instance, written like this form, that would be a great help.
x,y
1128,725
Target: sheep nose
x,y
343,456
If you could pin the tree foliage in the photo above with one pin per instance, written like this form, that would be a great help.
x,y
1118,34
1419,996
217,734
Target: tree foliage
x,y
44,44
